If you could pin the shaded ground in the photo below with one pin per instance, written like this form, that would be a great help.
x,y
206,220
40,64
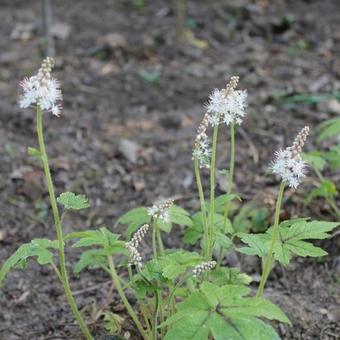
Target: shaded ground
x,y
136,86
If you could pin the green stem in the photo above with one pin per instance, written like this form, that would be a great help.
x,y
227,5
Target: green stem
x,y
144,313
177,285
122,295
154,240
155,318
230,179
275,234
212,191
203,207
232,158
55,268
140,302
160,241
62,264
158,304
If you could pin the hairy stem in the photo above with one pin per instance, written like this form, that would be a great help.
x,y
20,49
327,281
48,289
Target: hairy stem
x,y
232,159
155,318
230,179
177,285
212,191
57,222
159,239
203,207
154,240
275,234
122,295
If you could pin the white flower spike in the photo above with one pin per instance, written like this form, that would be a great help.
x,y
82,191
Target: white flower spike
x,y
132,246
227,105
288,163
161,210
42,90
203,267
202,149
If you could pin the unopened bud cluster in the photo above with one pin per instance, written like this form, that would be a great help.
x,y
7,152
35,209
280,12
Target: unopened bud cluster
x,y
161,210
202,150
288,163
42,89
132,246
227,105
203,267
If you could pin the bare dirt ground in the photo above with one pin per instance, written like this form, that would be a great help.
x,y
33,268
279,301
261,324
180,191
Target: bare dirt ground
x,y
123,78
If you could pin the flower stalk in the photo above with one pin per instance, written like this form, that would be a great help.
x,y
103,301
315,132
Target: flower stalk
x,y
230,179
62,270
275,235
122,295
203,208
212,193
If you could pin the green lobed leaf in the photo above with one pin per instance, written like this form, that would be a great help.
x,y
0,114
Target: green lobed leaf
x,y
223,313
71,201
194,233
224,241
317,230
90,259
231,276
291,241
258,244
101,237
180,216
38,247
177,262
241,329
220,201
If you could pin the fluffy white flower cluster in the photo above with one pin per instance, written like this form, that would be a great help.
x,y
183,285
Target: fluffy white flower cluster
x,y
291,170
42,90
227,105
161,210
288,163
202,149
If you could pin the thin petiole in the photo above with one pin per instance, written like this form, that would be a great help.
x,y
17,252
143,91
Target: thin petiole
x,y
275,234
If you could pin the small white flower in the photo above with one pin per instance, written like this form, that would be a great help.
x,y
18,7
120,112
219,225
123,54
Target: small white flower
x,y
42,90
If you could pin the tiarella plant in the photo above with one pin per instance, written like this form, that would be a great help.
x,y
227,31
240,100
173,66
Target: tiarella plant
x,y
178,293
